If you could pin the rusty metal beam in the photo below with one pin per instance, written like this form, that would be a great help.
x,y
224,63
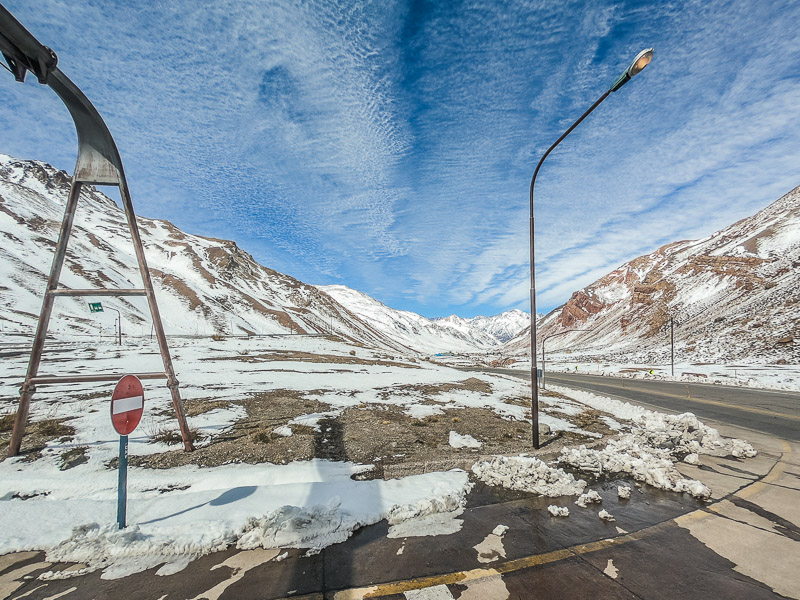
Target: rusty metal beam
x,y
98,292
55,379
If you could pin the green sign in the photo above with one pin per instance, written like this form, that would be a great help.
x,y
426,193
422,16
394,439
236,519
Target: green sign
x,y
95,307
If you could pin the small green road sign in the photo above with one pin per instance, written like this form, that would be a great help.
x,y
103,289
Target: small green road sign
x,y
95,307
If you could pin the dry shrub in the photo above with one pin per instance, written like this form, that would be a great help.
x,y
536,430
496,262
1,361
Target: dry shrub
x,y
7,422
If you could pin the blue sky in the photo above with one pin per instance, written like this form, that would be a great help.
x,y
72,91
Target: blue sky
x,y
388,146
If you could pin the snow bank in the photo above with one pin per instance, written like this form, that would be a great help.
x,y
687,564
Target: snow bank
x,y
527,474
654,443
624,455
685,434
308,504
463,441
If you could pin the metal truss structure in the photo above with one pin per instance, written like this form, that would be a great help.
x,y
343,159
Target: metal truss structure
x,y
98,164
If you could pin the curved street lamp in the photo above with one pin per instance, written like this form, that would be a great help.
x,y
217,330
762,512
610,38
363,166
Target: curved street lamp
x,y
639,63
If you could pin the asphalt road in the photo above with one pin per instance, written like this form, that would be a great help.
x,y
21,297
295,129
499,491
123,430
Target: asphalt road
x,y
773,412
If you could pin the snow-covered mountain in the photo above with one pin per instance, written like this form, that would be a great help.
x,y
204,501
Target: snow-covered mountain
x,y
501,327
732,295
203,285
430,335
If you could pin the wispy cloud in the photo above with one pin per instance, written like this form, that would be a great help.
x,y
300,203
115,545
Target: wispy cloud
x,y
389,145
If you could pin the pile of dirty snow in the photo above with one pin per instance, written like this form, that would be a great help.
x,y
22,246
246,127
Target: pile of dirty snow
x,y
527,474
685,434
623,455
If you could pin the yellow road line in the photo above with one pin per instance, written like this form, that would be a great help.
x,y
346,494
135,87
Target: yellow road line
x,y
751,409
398,587
774,474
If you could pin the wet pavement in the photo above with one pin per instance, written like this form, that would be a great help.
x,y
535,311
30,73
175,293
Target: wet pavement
x,y
744,544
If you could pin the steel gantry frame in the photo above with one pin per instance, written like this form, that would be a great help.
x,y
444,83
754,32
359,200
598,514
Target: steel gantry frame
x,y
98,163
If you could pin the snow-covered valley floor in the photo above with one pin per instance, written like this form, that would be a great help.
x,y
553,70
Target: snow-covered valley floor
x,y
298,438
766,374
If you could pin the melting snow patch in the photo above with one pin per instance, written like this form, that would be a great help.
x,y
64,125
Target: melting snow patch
x,y
612,423
611,570
420,411
437,592
527,474
463,441
283,431
491,548
500,530
432,524
624,492
692,459
605,515
590,497
321,505
558,511
312,420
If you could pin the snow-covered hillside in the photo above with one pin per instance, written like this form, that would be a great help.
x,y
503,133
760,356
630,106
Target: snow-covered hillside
x,y
732,295
430,335
203,285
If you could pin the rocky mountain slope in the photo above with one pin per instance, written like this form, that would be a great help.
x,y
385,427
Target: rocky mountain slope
x,y
732,295
204,286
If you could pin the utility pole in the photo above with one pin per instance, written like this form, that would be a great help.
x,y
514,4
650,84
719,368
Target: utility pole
x,y
672,345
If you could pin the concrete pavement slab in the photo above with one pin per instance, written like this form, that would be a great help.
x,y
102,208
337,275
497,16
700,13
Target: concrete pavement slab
x,y
670,563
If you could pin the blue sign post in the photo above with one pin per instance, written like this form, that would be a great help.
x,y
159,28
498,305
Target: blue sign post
x,y
122,487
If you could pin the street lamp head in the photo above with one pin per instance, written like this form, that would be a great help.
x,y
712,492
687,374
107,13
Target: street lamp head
x,y
637,66
640,62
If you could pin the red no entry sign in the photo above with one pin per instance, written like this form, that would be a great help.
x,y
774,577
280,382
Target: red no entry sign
x,y
127,404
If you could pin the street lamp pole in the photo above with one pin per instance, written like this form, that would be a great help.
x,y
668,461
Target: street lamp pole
x,y
640,62
119,328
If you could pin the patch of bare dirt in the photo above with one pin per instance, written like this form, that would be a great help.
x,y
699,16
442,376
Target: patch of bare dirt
x,y
292,355
199,406
37,435
251,440
473,384
368,434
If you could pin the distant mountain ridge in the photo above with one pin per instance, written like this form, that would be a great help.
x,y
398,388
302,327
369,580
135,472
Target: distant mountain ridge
x,y
502,327
430,335
734,294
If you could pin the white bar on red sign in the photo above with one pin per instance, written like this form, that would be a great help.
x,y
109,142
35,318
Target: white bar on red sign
x,y
125,404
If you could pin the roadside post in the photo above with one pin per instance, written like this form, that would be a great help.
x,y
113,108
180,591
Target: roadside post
x,y
127,406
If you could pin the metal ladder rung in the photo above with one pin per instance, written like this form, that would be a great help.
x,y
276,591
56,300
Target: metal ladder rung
x,y
98,292
46,379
